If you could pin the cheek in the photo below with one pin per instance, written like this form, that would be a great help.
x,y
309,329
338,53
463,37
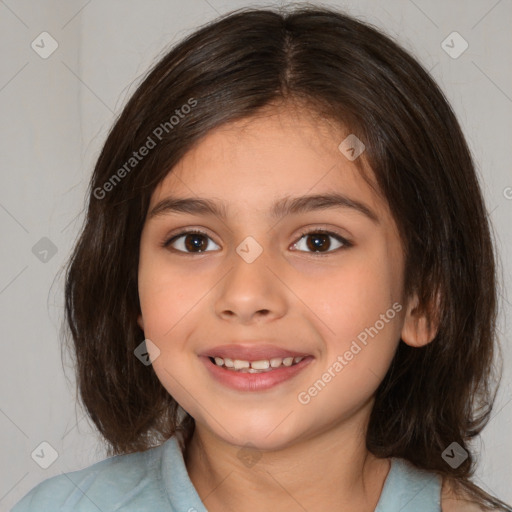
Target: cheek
x,y
353,296
360,315
167,296
171,303
167,301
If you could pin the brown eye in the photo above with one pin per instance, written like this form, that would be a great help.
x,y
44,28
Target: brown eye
x,y
190,242
320,241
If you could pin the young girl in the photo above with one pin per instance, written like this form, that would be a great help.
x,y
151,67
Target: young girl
x,y
284,294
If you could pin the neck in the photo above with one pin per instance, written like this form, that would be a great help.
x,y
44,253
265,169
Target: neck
x,y
331,470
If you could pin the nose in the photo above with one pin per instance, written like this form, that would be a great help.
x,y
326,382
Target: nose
x,y
251,292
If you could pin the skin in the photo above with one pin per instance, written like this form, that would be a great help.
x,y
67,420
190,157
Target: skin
x,y
289,296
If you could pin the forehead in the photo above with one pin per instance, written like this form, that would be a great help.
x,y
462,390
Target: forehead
x,y
253,162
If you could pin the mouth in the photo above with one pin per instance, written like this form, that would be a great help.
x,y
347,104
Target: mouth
x,y
254,375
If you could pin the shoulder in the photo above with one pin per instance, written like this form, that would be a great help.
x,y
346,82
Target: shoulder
x,y
455,499
105,485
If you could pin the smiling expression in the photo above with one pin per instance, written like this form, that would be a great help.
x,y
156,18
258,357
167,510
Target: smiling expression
x,y
271,271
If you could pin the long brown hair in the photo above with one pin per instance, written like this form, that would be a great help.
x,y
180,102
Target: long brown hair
x,y
346,71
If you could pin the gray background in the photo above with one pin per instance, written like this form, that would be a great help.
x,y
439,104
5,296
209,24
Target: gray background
x,y
55,114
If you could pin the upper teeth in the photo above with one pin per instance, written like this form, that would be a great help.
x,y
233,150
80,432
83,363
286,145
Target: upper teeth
x,y
262,364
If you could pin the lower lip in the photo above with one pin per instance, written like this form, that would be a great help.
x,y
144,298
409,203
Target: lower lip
x,y
254,381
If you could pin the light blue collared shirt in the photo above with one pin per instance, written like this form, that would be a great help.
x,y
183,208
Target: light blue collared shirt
x,y
157,481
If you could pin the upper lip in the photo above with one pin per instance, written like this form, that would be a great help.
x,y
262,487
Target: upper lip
x,y
252,352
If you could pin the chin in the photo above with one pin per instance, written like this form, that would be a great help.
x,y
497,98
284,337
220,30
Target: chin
x,y
258,433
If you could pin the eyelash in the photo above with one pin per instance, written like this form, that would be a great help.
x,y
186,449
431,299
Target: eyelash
x,y
339,238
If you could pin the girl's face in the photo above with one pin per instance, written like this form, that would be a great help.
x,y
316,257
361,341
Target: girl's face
x,y
254,282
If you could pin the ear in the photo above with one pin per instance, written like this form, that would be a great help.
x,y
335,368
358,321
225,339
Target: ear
x,y
140,321
415,330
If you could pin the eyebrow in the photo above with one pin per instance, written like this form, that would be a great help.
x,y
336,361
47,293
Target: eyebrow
x,y
281,208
